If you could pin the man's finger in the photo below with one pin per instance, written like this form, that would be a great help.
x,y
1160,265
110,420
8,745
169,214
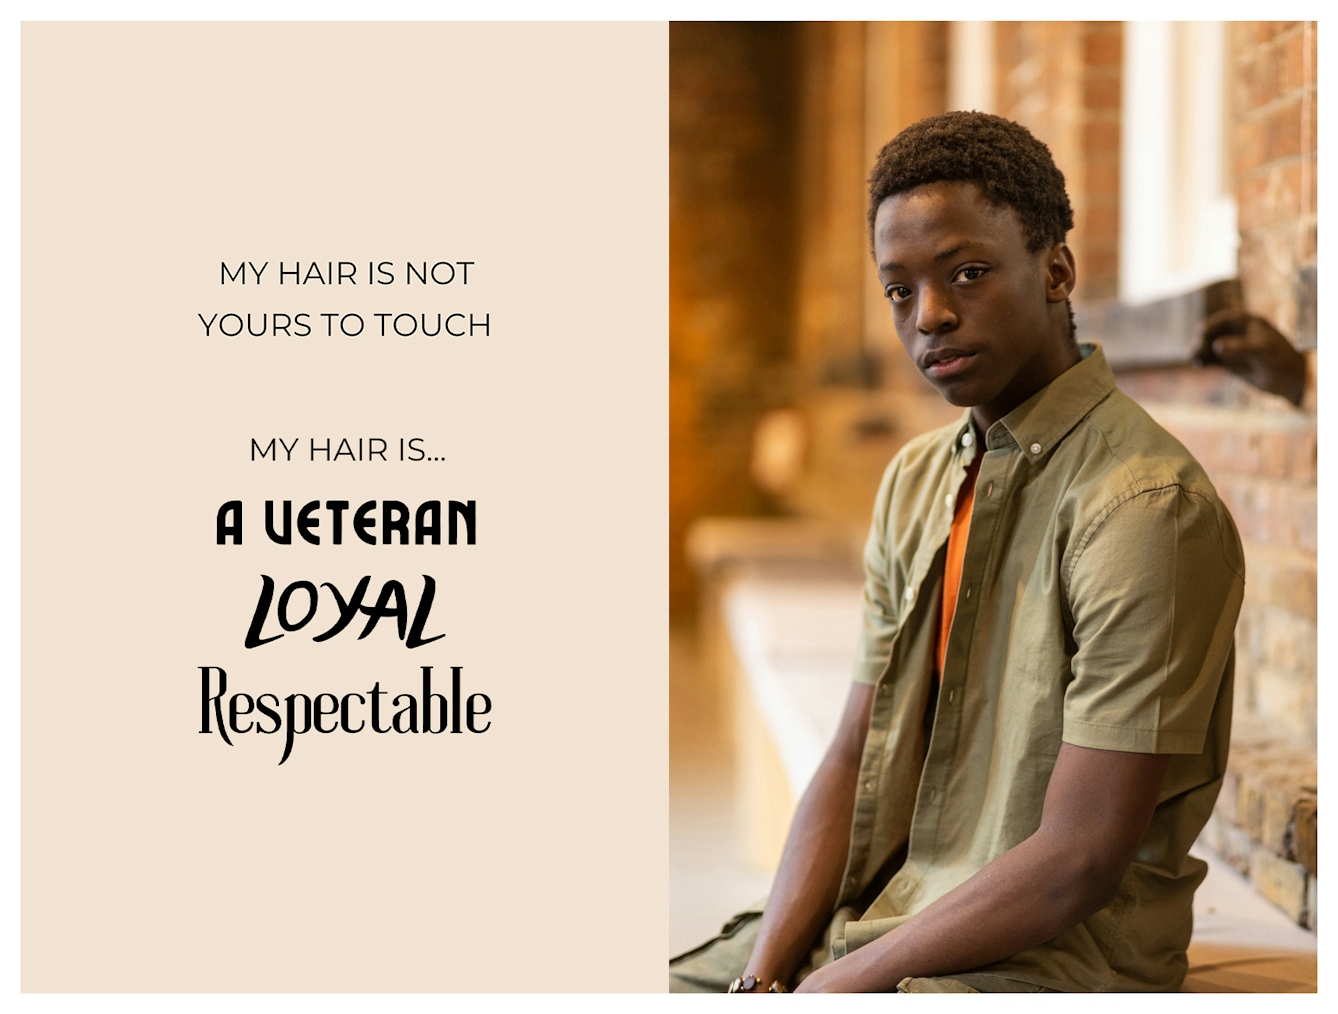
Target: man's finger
x,y
1232,349
1224,322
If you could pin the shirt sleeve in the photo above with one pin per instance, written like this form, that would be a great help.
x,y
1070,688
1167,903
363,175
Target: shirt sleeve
x,y
880,609
1154,590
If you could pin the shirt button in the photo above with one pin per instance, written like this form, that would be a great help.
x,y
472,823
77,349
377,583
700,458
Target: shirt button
x,y
968,595
968,438
868,786
988,490
1035,448
910,593
947,499
952,695
932,794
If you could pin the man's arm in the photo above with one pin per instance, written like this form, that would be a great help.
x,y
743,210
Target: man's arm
x,y
809,878
1097,809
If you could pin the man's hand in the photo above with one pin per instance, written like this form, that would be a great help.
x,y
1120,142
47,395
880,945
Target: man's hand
x,y
1254,350
1097,809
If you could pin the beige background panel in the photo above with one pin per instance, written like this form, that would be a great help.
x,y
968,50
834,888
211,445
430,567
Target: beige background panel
x,y
529,858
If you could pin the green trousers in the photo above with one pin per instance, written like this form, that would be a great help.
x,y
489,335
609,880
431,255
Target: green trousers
x,y
712,966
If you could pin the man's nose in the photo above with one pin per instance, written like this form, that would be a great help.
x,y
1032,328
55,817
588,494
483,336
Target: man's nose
x,y
935,312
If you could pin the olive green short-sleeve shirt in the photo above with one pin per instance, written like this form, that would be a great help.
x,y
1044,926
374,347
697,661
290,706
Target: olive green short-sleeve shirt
x,y
1097,604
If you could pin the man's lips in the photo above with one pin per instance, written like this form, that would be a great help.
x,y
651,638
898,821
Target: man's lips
x,y
945,362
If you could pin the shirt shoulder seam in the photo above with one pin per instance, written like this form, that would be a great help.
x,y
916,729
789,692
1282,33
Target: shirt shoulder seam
x,y
1118,501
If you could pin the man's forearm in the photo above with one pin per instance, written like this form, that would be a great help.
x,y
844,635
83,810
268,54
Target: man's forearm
x,y
1069,869
1027,896
809,878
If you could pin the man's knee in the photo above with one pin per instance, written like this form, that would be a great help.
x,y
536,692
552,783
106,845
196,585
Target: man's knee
x,y
711,967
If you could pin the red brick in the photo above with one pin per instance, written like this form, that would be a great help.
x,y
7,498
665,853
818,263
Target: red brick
x,y
1238,87
1264,31
1270,30
1270,197
1182,384
1101,92
1248,147
1283,580
1249,34
1295,517
1312,128
1227,443
1103,179
1100,221
1252,202
1303,454
1289,653
1100,137
1273,514
1289,55
1102,44
1243,86
1243,36
1260,77
1309,244
1282,130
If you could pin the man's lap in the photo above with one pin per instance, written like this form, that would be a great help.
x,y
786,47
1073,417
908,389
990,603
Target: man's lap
x,y
712,966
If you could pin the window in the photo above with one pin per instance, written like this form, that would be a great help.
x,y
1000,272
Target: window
x,y
1177,209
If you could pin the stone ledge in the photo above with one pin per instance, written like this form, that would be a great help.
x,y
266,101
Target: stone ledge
x,y
1265,820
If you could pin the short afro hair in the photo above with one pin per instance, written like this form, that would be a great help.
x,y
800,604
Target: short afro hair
x,y
1009,165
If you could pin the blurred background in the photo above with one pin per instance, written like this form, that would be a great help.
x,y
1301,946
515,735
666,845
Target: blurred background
x,y
1189,153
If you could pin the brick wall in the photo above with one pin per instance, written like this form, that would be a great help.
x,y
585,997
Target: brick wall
x,y
732,237
1061,80
1258,449
1265,822
1261,454
1273,100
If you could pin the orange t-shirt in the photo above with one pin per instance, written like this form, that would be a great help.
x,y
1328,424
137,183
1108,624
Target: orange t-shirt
x,y
952,575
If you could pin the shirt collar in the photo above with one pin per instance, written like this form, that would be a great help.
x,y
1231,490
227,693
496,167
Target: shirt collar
x,y
1044,419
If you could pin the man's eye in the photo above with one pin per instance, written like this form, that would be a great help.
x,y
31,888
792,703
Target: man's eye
x,y
896,293
970,274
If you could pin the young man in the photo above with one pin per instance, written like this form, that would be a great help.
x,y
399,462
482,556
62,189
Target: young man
x,y
1040,714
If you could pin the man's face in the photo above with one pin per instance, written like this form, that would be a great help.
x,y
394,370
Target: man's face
x,y
980,315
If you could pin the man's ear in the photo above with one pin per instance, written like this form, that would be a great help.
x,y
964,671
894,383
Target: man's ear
x,y
1060,274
